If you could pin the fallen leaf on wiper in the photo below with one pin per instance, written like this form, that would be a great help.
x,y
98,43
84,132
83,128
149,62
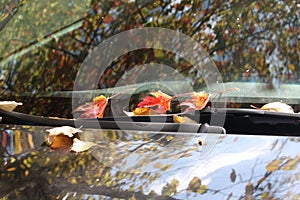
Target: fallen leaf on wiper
x,y
183,120
9,105
159,102
276,107
80,146
93,109
199,100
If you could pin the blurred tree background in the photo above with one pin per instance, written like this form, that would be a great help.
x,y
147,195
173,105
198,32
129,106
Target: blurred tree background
x,y
43,43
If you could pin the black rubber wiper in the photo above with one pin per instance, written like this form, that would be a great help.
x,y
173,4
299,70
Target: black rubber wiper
x,y
253,122
236,121
139,123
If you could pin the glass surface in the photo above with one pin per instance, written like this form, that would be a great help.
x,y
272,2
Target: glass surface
x,y
255,46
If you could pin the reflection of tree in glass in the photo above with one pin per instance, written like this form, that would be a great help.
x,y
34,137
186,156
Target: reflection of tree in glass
x,y
252,41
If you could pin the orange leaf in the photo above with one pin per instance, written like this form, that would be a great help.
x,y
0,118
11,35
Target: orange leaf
x,y
159,100
61,141
100,105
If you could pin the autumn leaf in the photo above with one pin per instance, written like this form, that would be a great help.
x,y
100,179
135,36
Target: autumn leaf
x,y
197,101
194,185
61,137
183,120
65,130
9,105
94,109
159,102
202,189
66,137
274,165
276,107
292,164
80,146
60,142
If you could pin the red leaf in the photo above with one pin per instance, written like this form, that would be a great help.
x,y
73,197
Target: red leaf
x,y
159,99
93,110
197,102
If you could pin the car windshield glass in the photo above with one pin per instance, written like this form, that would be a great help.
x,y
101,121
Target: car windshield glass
x,y
56,56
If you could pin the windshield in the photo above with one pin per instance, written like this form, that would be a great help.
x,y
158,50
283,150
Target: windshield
x,y
63,54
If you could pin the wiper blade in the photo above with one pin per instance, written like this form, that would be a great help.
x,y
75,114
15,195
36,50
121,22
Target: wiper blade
x,y
237,121
160,124
251,121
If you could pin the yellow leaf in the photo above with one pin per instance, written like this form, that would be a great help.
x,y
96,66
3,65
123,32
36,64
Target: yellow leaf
x,y
142,111
183,120
274,165
292,164
194,185
202,189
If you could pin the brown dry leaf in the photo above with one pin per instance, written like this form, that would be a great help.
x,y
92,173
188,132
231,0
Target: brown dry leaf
x,y
79,146
61,137
9,105
60,141
276,107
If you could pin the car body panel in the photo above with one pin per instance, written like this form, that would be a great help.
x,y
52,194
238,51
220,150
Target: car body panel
x,y
145,163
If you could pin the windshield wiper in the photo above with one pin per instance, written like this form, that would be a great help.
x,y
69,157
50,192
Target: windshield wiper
x,y
251,121
141,123
236,121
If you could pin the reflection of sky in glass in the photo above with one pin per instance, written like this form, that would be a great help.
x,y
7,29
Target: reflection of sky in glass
x,y
247,155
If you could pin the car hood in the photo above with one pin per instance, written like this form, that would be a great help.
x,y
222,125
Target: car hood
x,y
150,165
